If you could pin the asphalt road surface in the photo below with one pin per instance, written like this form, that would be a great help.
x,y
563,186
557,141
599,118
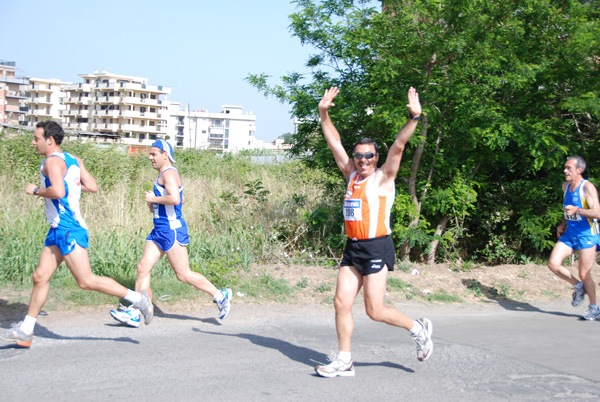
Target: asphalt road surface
x,y
498,352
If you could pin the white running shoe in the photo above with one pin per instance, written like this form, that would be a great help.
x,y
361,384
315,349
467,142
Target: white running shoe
x,y
578,296
423,340
129,315
145,306
337,368
224,305
591,314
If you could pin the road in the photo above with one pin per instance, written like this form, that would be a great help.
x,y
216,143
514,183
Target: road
x,y
494,352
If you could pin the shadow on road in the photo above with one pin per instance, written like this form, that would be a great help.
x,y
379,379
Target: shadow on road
x,y
507,303
159,313
43,332
297,353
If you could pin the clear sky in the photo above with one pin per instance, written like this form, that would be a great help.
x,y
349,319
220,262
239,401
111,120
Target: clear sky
x,y
203,50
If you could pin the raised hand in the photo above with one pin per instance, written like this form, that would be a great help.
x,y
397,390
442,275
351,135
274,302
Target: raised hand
x,y
414,106
327,100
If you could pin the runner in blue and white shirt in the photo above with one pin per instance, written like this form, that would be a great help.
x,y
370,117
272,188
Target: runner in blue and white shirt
x,y
169,236
578,232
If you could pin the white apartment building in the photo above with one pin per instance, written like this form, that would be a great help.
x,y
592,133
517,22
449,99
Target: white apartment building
x,y
230,130
116,108
43,101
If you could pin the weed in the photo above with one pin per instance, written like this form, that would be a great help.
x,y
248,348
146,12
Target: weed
x,y
443,296
324,287
549,294
505,290
395,284
475,287
404,265
302,283
523,274
265,286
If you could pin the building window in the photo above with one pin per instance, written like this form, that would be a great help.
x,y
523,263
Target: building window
x,y
152,136
142,136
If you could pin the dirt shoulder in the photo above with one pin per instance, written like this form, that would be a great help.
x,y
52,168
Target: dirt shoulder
x,y
522,286
439,283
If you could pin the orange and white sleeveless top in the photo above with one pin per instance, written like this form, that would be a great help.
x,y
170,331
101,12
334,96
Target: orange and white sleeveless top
x,y
366,212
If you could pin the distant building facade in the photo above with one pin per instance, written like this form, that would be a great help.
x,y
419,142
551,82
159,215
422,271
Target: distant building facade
x,y
230,130
122,109
43,101
12,93
116,108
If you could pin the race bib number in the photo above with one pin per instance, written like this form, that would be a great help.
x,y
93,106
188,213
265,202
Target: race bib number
x,y
572,218
353,210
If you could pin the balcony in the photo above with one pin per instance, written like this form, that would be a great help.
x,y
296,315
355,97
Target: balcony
x,y
113,100
15,94
113,127
131,100
39,112
81,87
39,100
107,113
78,100
214,130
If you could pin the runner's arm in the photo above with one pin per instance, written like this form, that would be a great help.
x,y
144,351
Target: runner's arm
x,y
88,183
332,136
170,182
55,170
392,163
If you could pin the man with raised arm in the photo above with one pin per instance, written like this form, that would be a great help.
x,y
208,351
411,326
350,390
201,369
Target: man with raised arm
x,y
369,252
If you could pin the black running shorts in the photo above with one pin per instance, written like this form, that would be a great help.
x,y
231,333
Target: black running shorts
x,y
369,256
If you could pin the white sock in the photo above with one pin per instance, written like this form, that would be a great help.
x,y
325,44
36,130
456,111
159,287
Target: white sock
x,y
218,296
417,327
578,285
346,357
28,324
132,297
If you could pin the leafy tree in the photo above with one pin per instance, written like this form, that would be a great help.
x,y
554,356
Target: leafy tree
x,y
509,88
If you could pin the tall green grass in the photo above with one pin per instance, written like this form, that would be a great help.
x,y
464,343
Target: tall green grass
x,y
238,213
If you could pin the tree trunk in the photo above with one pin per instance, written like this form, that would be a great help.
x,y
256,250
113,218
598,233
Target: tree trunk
x,y
412,186
439,230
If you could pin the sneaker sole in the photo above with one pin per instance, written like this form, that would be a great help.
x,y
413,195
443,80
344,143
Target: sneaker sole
x,y
337,374
135,324
23,344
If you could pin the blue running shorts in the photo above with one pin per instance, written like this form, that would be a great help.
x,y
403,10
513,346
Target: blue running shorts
x,y
580,242
165,239
66,240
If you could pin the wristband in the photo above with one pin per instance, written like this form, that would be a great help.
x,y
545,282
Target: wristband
x,y
35,191
410,116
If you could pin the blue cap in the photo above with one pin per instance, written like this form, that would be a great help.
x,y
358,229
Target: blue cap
x,y
165,146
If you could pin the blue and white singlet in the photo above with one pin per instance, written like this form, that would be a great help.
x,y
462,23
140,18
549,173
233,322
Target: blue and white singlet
x,y
577,225
64,213
167,217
